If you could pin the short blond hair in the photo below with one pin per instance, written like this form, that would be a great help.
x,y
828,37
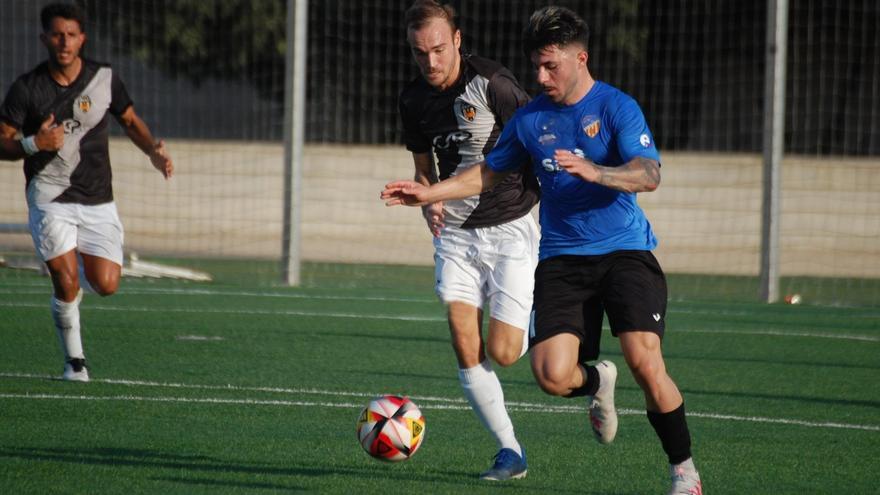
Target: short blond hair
x,y
423,11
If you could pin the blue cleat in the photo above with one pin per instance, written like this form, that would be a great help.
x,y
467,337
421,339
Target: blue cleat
x,y
508,466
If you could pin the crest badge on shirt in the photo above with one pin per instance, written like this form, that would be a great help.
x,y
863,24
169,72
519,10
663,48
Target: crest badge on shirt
x,y
645,140
590,125
85,103
469,112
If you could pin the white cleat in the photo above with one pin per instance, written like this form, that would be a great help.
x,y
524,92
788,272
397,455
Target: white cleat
x,y
685,479
75,370
603,415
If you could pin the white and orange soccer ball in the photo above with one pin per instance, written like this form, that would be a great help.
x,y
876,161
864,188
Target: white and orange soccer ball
x,y
391,428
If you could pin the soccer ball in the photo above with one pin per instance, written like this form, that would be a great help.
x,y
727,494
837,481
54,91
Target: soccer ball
x,y
391,428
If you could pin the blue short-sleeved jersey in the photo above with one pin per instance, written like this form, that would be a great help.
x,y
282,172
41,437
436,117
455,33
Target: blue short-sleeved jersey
x,y
577,217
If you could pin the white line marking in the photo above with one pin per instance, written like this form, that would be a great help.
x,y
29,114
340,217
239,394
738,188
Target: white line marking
x,y
456,404
361,316
199,337
776,333
324,314
237,293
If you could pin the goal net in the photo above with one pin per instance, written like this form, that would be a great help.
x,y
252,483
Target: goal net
x,y
208,76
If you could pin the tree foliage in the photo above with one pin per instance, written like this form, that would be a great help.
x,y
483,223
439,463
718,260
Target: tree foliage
x,y
198,39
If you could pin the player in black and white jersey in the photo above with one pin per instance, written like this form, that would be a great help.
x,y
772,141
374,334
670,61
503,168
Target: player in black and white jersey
x,y
486,245
72,216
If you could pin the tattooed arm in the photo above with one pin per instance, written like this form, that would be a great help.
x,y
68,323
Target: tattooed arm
x,y
638,175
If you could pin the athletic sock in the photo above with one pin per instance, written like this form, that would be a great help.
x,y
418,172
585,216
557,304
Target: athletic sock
x,y
672,429
591,382
66,317
484,393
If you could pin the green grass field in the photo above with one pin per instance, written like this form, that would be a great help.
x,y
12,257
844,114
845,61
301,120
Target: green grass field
x,y
239,386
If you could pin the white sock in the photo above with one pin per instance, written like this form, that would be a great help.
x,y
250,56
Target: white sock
x,y
483,392
687,465
66,317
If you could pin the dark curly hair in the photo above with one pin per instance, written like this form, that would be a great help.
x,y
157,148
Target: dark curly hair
x,y
554,25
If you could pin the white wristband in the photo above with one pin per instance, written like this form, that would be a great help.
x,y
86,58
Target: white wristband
x,y
29,146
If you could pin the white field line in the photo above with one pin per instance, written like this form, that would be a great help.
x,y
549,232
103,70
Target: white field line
x,y
330,314
323,314
36,289
16,289
777,333
46,290
446,403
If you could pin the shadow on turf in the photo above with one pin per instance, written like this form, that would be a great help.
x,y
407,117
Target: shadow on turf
x,y
795,398
395,337
464,482
776,362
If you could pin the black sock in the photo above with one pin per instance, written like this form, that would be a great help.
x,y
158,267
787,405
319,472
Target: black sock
x,y
591,386
673,431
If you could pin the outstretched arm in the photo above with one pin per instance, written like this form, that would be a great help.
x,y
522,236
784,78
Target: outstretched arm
x,y
49,137
140,135
637,175
426,174
472,181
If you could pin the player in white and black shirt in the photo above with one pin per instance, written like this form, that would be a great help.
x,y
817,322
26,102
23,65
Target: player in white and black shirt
x,y
71,212
486,245
460,124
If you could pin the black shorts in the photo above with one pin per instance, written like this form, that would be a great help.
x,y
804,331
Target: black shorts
x,y
573,293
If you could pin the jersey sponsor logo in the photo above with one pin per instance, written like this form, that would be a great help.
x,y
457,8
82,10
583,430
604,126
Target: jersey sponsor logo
x,y
548,127
590,125
656,316
85,103
552,165
71,126
444,141
547,139
645,140
469,112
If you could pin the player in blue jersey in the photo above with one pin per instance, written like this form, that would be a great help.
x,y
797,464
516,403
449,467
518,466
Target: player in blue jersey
x,y
592,152
485,246
71,210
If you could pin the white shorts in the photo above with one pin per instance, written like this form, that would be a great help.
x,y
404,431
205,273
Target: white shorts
x,y
57,228
490,263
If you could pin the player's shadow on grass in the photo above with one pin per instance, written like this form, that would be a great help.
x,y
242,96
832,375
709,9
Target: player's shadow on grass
x,y
778,397
394,337
776,362
448,481
451,378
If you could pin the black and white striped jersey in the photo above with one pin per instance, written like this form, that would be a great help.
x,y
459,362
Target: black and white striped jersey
x,y
460,125
80,171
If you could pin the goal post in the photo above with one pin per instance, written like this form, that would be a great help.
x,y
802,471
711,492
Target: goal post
x,y
284,127
294,138
774,134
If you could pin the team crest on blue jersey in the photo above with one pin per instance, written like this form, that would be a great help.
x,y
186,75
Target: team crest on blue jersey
x,y
590,125
645,140
469,112
85,103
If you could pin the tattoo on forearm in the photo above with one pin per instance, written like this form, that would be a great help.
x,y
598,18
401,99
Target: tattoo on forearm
x,y
652,171
639,175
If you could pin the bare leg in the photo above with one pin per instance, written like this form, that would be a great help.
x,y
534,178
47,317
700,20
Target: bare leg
x,y
555,364
102,274
643,355
478,380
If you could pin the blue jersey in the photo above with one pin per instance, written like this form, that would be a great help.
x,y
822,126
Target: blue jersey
x,y
578,217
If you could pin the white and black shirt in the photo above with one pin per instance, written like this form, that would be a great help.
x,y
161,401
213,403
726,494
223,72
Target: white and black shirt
x,y
461,126
80,171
